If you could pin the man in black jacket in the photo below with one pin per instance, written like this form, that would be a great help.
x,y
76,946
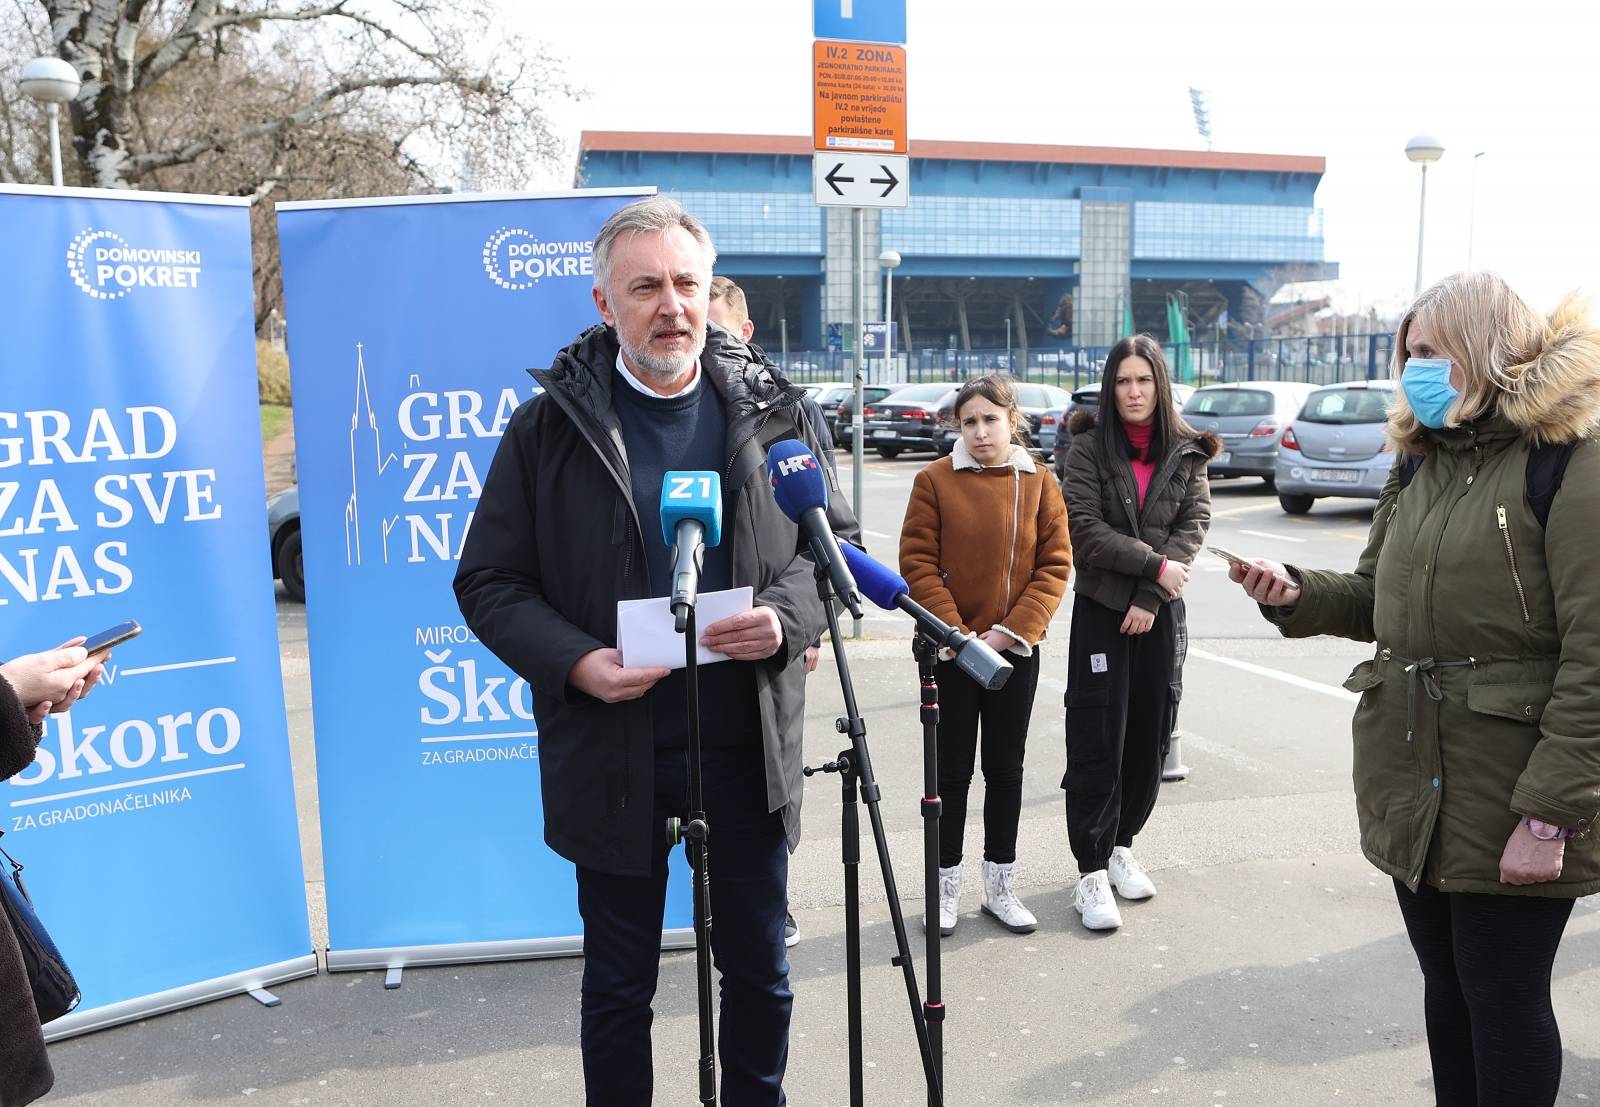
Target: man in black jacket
x,y
565,528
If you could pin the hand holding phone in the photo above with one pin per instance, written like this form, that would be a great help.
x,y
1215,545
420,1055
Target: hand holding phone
x,y
1266,581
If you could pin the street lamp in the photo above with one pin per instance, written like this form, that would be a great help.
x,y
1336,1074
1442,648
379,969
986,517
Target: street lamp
x,y
1423,149
889,259
52,82
1472,217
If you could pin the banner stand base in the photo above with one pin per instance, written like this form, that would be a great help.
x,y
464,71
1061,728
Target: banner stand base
x,y
394,960
265,998
190,995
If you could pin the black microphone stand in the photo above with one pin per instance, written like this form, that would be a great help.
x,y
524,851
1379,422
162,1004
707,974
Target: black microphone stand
x,y
925,648
854,767
695,835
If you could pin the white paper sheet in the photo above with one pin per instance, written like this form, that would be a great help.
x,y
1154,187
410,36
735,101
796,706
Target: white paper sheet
x,y
647,640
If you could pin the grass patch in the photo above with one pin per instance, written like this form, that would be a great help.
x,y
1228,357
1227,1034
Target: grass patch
x,y
274,420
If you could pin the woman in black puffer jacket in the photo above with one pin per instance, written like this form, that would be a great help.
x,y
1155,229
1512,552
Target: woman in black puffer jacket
x,y
30,688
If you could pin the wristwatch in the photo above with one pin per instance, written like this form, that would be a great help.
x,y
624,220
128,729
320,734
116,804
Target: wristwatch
x,y
1545,832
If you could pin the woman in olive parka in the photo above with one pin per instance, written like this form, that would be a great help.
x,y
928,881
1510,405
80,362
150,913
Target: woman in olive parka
x,y
1477,736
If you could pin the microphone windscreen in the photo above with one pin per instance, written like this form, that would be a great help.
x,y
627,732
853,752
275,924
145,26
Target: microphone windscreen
x,y
691,494
798,483
875,580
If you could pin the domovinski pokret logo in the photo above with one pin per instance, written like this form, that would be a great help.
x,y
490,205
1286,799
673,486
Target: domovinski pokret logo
x,y
104,265
516,259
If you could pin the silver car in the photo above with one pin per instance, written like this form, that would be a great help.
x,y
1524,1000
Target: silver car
x,y
1335,446
1249,417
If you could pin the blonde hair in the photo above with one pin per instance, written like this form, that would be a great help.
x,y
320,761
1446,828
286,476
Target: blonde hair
x,y
723,288
1493,335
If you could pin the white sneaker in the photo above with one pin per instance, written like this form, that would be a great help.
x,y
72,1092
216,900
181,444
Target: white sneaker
x,y
949,899
1000,900
1128,876
1093,900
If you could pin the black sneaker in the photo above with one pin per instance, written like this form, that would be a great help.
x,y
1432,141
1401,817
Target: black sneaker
x,y
791,929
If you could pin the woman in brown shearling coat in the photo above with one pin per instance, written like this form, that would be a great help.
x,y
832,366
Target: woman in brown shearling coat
x,y
30,687
985,547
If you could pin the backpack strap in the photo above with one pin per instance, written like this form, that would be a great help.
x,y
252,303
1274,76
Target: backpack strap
x,y
1547,465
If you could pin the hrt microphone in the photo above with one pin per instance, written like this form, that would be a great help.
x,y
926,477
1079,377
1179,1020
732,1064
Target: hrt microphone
x,y
691,520
888,589
801,489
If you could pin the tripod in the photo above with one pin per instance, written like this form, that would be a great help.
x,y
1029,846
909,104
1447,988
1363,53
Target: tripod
x,y
854,767
695,834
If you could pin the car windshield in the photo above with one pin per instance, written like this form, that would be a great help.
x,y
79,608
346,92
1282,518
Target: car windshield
x,y
921,393
1229,401
1347,405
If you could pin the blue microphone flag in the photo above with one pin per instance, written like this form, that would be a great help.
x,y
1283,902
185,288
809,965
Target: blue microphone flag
x,y
798,483
691,494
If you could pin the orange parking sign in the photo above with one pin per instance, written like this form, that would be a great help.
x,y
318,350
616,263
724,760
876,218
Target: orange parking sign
x,y
860,96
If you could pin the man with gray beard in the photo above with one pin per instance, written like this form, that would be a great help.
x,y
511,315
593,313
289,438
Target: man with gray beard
x,y
566,527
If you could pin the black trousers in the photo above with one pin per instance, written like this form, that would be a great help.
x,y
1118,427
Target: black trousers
x,y
1120,699
749,865
1004,718
1486,961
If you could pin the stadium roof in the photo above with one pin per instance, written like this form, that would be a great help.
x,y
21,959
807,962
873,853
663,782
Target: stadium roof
x,y
680,143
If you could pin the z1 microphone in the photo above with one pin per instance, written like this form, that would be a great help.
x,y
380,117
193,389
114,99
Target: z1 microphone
x,y
801,489
691,520
888,589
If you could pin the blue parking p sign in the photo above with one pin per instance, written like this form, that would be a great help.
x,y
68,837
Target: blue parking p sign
x,y
860,20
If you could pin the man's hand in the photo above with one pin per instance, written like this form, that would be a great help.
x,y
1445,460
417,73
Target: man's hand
x,y
600,674
1530,860
55,679
1174,575
1138,620
1264,580
753,635
813,655
998,640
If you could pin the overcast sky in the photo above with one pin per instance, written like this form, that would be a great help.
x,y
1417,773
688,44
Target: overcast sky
x,y
1350,82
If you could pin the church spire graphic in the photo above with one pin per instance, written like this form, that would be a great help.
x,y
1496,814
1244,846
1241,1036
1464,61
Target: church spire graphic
x,y
367,464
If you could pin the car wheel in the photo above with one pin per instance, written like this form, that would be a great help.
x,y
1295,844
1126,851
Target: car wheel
x,y
291,567
888,453
1271,483
1295,504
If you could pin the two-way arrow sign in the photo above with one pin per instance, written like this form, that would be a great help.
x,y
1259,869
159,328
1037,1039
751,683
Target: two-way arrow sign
x,y
861,180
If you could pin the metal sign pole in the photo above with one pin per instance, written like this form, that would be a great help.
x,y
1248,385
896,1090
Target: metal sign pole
x,y
858,451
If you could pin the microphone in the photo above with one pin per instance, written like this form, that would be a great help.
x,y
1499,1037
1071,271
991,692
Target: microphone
x,y
888,589
801,489
691,520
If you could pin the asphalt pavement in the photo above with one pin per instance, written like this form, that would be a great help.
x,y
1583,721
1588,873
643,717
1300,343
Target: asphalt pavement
x,y
1271,968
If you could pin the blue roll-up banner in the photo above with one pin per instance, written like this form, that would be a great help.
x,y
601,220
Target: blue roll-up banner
x,y
412,324
158,822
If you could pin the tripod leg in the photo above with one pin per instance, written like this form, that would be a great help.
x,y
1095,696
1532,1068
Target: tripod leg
x,y
933,1010
699,860
850,828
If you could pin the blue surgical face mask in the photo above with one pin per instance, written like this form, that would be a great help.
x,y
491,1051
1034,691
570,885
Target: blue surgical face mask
x,y
1426,381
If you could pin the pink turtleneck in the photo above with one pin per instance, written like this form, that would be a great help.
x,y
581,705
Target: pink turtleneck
x,y
1144,466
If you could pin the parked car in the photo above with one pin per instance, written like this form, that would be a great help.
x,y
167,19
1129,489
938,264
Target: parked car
x,y
283,539
843,426
1055,435
909,419
836,399
1335,446
1033,400
1249,417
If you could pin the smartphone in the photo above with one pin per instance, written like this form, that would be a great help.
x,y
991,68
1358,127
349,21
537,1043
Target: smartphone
x,y
1230,556
113,636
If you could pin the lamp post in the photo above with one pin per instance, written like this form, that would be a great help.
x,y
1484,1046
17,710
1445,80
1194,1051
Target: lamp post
x,y
52,82
1424,150
889,259
1472,217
